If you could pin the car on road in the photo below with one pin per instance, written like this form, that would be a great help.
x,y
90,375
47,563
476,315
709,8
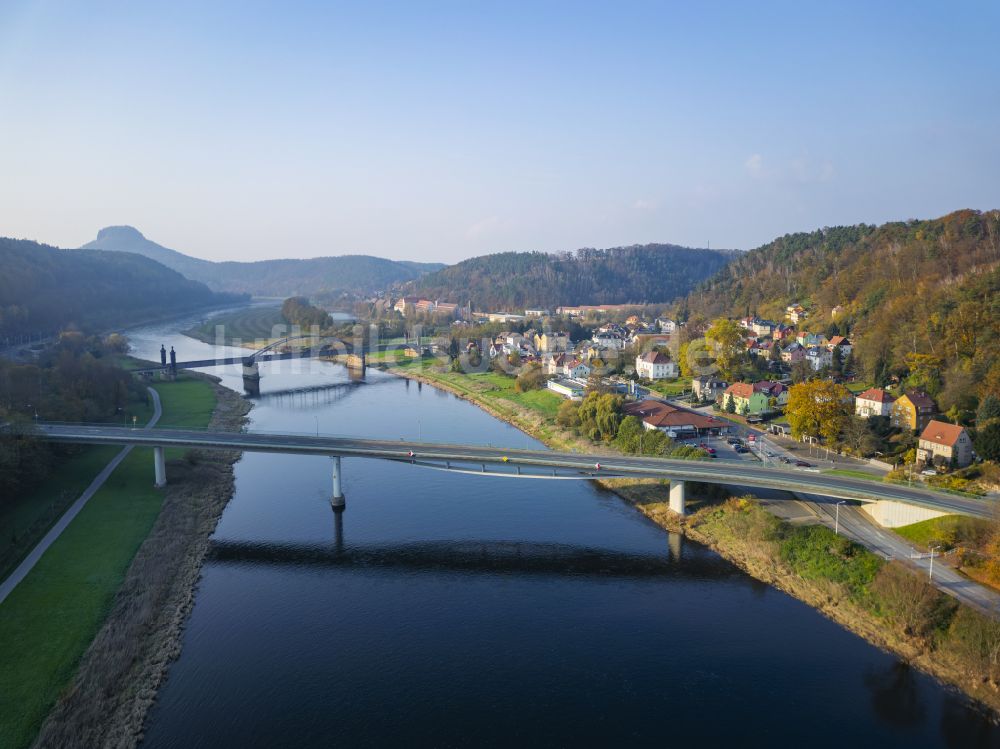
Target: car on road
x,y
741,450
803,464
928,472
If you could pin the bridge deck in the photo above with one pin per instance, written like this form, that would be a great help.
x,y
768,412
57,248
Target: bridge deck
x,y
526,463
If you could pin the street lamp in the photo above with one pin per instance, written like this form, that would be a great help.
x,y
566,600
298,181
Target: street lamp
x,y
836,521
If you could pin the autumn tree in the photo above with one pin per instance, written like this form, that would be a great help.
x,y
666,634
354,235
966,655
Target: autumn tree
x,y
818,408
727,336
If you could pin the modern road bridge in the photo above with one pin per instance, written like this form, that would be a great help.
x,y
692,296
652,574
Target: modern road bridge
x,y
517,463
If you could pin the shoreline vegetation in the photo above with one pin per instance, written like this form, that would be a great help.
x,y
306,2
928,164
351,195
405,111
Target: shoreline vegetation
x,y
965,656
108,691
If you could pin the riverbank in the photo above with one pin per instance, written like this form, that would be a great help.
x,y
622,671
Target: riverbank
x,y
961,649
118,676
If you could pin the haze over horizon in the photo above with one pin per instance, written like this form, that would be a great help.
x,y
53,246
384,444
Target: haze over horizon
x,y
245,132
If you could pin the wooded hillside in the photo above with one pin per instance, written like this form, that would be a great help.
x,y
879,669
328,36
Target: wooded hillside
x,y
511,281
43,289
916,298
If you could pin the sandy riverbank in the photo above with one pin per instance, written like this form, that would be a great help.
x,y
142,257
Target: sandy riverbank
x,y
119,675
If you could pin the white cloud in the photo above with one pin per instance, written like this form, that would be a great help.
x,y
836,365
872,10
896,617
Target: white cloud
x,y
755,165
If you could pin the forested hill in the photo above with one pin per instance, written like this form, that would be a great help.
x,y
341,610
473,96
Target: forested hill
x,y
515,280
362,274
914,294
43,289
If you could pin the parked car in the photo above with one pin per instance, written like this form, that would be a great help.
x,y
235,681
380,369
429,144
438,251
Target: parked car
x,y
803,464
740,449
928,472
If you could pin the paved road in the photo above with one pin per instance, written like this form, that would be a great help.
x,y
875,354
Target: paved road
x,y
28,563
537,462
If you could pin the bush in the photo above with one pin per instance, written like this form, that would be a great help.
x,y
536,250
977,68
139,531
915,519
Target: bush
x,y
909,602
817,553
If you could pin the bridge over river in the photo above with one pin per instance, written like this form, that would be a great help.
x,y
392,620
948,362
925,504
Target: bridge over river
x,y
517,463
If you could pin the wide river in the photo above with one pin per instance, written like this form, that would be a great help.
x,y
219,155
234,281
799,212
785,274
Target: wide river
x,y
456,610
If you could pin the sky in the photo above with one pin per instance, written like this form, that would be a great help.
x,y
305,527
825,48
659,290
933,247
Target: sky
x,y
442,130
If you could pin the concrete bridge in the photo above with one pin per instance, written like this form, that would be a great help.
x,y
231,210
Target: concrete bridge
x,y
355,360
515,463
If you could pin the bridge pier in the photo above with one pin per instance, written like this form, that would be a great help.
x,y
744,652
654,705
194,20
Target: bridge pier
x,y
251,377
337,501
160,468
678,498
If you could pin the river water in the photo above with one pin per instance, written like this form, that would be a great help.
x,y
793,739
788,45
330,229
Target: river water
x,y
456,610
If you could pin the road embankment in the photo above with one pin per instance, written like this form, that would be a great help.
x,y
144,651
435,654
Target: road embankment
x,y
965,654
118,677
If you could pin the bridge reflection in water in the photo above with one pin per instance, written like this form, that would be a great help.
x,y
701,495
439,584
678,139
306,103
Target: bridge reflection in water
x,y
479,557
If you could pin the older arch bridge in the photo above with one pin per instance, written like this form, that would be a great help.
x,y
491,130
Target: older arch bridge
x,y
330,346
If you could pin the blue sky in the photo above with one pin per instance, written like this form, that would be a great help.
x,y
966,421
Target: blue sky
x,y
439,131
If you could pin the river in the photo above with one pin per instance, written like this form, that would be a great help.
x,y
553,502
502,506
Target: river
x,y
455,610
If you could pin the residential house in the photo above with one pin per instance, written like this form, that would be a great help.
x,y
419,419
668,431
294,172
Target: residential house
x,y
809,339
793,352
944,443
755,398
405,301
666,325
576,369
873,402
609,339
553,365
707,388
549,342
819,357
796,313
763,327
537,313
655,366
913,410
839,341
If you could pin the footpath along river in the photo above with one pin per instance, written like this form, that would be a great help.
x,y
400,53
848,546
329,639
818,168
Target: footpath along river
x,y
455,610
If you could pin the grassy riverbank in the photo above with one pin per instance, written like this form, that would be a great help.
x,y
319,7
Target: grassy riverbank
x,y
50,619
888,604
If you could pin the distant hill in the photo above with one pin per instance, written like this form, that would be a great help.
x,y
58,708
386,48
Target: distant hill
x,y
362,274
511,281
43,288
913,295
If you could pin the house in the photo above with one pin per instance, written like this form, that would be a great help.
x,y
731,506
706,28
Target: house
x,y
576,369
809,339
839,341
553,365
755,398
763,327
537,313
568,388
666,325
873,402
609,339
947,444
796,312
655,366
405,301
819,357
913,410
674,421
792,353
707,388
548,342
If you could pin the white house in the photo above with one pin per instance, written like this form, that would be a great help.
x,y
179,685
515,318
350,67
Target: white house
x,y
819,357
655,366
576,369
873,402
666,325
609,340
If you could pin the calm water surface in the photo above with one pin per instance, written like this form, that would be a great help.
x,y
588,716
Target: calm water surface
x,y
450,610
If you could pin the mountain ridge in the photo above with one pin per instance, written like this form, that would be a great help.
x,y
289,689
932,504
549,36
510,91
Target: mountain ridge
x,y
278,277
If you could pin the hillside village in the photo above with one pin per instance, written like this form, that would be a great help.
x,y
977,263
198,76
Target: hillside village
x,y
689,380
